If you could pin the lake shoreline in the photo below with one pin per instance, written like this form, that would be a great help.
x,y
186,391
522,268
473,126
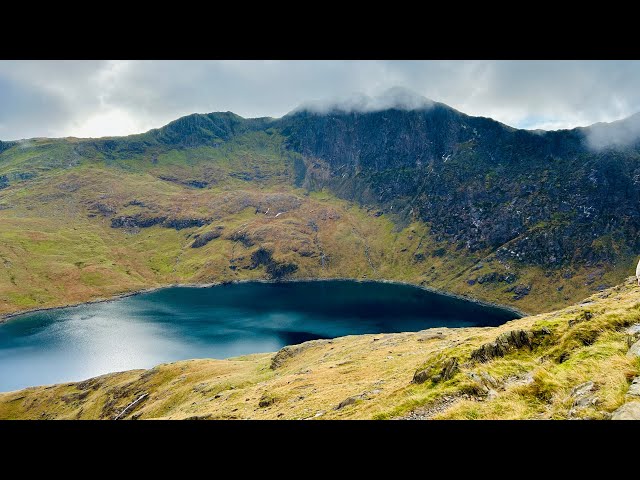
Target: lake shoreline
x,y
519,313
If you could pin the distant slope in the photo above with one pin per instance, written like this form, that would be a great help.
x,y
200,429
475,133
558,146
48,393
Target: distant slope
x,y
573,363
429,196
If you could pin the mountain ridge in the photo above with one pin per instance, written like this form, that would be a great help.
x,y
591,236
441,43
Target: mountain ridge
x,y
474,207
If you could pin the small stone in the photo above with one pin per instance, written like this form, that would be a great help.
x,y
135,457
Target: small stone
x,y
491,394
628,411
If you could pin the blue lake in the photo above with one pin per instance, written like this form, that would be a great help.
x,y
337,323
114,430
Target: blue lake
x,y
180,323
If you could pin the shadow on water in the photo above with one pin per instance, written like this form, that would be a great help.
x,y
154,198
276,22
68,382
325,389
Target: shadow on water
x,y
218,322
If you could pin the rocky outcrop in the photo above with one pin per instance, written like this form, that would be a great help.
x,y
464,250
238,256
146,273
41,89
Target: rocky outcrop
x,y
290,351
136,221
145,221
558,201
182,223
505,343
439,372
202,239
628,411
275,269
519,291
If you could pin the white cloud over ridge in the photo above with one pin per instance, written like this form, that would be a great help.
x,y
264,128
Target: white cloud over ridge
x,y
396,97
100,98
617,134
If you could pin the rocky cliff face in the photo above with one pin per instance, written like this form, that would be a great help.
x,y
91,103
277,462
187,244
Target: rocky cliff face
x,y
544,198
539,198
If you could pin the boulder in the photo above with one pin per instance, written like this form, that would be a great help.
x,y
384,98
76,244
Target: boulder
x,y
349,401
628,411
634,351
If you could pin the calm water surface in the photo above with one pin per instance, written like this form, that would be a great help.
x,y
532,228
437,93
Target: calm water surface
x,y
218,322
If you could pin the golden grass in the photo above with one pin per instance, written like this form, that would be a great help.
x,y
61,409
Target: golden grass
x,y
377,370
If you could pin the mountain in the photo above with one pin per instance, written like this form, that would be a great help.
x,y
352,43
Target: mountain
x,y
580,362
419,192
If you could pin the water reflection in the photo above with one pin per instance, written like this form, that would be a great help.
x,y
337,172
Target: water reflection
x,y
220,322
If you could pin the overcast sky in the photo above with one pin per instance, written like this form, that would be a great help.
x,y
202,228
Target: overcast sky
x,y
99,98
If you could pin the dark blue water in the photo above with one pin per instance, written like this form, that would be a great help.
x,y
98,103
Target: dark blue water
x,y
219,322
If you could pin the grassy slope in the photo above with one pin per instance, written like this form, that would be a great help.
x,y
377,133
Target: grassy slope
x,y
56,247
378,369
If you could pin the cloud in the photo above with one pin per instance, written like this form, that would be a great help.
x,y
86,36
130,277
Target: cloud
x,y
99,98
618,134
396,97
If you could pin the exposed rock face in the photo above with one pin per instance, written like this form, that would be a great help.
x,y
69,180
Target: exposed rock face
x,y
274,268
520,291
505,343
290,351
136,221
202,239
182,223
146,221
560,203
558,200
628,411
437,373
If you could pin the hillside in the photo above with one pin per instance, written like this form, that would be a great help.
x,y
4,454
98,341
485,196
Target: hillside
x,y
578,362
429,196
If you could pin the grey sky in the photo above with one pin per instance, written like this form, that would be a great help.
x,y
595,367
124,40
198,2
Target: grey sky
x,y
97,98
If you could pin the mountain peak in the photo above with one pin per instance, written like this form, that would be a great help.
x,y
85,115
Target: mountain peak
x,y
398,98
